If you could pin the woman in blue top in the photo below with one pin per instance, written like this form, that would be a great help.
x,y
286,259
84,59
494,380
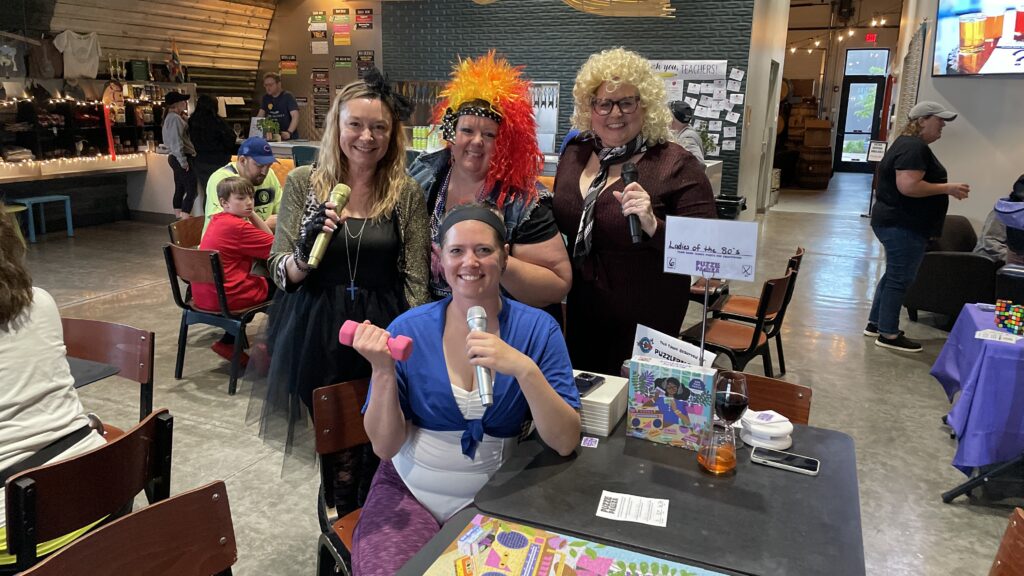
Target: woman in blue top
x,y
425,414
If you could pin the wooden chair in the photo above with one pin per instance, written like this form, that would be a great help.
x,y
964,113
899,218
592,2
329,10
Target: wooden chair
x,y
739,341
130,349
744,309
791,400
51,501
187,232
338,422
1009,559
192,265
717,289
190,534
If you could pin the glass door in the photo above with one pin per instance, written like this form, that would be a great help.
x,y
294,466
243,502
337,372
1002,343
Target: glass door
x,y
860,108
859,121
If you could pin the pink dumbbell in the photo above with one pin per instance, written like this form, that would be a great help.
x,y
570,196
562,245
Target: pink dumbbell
x,y
399,346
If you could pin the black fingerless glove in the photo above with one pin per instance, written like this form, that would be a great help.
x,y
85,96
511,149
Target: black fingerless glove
x,y
312,225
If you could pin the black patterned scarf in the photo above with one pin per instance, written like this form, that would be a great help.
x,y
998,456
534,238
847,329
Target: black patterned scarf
x,y
608,157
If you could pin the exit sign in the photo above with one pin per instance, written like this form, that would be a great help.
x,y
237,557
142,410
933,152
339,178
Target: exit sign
x,y
871,37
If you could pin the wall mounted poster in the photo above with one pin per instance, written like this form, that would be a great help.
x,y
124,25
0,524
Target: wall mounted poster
x,y
289,65
489,545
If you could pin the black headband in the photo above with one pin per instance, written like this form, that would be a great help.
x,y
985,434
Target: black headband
x,y
471,212
400,106
451,117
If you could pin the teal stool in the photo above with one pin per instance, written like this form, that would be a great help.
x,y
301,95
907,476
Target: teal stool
x,y
40,200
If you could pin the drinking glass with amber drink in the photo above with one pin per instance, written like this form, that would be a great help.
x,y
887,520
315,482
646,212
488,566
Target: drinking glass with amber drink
x,y
994,19
972,32
717,453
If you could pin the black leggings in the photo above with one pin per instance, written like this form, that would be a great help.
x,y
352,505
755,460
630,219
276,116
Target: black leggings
x,y
185,184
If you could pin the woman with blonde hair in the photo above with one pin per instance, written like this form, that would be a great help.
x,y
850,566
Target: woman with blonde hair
x,y
374,267
618,283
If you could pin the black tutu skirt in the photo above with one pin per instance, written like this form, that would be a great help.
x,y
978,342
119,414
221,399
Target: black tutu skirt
x,y
299,348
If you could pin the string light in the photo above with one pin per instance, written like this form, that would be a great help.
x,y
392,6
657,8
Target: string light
x,y
817,43
809,50
30,168
850,32
882,21
792,50
874,22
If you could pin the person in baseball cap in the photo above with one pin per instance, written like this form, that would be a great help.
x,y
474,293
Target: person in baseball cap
x,y
927,108
912,199
254,160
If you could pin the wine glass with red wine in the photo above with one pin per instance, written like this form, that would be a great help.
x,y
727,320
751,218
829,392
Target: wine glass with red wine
x,y
717,453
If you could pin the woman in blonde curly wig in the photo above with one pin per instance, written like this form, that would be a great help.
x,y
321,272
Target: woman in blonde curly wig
x,y
617,272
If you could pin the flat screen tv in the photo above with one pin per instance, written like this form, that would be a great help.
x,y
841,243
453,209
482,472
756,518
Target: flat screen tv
x,y
979,37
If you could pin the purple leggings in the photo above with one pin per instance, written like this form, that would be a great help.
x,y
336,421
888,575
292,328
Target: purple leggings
x,y
392,528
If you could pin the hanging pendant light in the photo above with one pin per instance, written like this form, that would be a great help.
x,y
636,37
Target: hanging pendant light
x,y
626,8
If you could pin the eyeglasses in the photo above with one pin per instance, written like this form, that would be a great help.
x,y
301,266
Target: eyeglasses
x,y
603,107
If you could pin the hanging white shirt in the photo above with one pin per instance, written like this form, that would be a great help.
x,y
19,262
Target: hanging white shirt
x,y
438,474
81,53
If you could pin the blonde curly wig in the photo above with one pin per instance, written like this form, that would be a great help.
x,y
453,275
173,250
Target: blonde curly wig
x,y
618,66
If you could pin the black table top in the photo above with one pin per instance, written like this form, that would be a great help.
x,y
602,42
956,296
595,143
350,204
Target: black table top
x,y
760,520
86,371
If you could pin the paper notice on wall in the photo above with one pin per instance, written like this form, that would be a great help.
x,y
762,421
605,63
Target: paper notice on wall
x,y
698,124
736,98
719,84
729,132
707,88
317,26
289,65
341,16
701,112
673,90
318,17
693,88
733,86
318,34
728,145
719,94
691,101
318,47
342,61
715,126
736,74
733,117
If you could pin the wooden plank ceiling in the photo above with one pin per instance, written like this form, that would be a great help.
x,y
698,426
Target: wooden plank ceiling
x,y
220,41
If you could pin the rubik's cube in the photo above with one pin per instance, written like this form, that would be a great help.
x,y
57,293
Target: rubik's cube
x,y
1010,317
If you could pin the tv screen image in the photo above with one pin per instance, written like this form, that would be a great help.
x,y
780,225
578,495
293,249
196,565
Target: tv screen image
x,y
975,37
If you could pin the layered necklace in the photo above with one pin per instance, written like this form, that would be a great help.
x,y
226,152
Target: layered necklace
x,y
353,267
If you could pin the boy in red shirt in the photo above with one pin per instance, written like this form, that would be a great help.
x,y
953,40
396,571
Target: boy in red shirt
x,y
241,236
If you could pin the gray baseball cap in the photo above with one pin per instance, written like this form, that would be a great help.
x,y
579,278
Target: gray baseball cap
x,y
926,108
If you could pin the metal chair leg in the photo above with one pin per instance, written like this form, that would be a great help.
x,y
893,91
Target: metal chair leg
x,y
767,356
782,359
179,362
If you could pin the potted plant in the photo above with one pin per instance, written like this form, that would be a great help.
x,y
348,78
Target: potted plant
x,y
270,128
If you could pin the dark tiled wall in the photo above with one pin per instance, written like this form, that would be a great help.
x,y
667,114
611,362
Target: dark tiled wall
x,y
422,39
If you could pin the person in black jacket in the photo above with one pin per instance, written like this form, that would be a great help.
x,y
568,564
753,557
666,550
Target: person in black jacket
x,y
213,138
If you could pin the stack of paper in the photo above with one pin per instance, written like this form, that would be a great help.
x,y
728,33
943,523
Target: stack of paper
x,y
603,406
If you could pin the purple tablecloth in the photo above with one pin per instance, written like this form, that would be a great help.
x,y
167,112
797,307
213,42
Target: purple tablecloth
x,y
988,418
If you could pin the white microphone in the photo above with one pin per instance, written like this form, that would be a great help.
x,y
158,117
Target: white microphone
x,y
477,320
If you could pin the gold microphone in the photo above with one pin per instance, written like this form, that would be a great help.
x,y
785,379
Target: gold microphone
x,y
339,195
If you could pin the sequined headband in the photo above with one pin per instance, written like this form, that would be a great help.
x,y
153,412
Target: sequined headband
x,y
471,212
451,117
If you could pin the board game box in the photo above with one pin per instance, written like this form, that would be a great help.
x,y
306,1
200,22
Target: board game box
x,y
670,403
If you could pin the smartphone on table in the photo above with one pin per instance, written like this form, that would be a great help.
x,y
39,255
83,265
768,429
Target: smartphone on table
x,y
785,460
585,381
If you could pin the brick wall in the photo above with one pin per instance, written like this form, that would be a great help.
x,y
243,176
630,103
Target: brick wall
x,y
552,40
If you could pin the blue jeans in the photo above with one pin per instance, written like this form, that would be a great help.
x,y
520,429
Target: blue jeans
x,y
904,251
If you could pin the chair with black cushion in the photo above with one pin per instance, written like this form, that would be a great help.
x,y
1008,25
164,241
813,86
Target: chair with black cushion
x,y
304,155
951,274
192,265
717,289
127,348
190,534
53,500
744,309
1010,283
791,400
338,422
186,232
741,341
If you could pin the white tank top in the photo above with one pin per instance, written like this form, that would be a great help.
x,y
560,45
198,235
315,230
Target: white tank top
x,y
438,474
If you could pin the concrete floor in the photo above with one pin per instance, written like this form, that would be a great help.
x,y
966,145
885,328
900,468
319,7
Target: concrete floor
x,y
847,193
886,401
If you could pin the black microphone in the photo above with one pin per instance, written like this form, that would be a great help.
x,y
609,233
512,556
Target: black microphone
x,y
476,317
629,175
